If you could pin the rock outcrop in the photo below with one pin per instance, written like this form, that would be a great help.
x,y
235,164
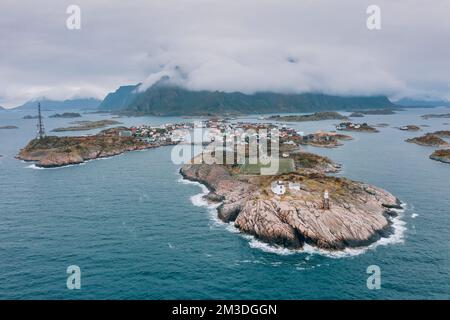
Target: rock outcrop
x,y
358,213
356,216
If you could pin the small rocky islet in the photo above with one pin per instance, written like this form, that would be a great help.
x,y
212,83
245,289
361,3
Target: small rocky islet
x,y
435,139
410,127
431,139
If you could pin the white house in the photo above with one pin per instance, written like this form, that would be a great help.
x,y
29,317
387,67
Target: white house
x,y
278,188
294,186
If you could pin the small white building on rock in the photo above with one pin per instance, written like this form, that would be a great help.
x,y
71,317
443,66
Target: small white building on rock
x,y
294,186
278,187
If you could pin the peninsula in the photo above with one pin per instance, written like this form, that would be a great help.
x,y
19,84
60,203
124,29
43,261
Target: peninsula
x,y
52,151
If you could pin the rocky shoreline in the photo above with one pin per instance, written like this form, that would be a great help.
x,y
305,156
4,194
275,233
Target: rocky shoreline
x,y
359,213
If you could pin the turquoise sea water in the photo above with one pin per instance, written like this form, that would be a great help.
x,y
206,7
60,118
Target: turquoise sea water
x,y
138,232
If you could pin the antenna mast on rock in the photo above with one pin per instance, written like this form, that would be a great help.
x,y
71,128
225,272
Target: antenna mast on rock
x,y
40,124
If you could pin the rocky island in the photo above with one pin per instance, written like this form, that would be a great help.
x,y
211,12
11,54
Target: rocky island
x,y
442,155
29,117
430,139
8,127
289,209
431,116
66,115
324,139
318,116
361,113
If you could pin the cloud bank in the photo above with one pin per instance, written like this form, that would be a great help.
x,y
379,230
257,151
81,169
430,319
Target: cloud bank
x,y
248,45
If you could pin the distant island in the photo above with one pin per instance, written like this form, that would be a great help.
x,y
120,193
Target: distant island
x,y
318,116
8,127
430,116
166,99
362,113
87,125
29,117
66,115
410,127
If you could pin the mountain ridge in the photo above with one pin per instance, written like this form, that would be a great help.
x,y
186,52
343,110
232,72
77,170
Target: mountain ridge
x,y
164,99
79,103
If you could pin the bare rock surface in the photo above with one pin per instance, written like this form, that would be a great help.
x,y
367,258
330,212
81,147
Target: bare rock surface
x,y
358,214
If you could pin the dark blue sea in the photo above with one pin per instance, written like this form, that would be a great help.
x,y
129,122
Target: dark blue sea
x,y
137,231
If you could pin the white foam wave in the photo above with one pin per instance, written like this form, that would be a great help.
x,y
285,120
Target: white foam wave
x,y
199,200
34,167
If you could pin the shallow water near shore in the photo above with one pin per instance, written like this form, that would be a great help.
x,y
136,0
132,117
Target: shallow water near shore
x,y
137,231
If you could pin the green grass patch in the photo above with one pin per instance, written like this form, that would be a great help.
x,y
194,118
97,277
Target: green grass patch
x,y
284,166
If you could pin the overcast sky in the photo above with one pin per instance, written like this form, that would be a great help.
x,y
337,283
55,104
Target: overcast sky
x,y
245,45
